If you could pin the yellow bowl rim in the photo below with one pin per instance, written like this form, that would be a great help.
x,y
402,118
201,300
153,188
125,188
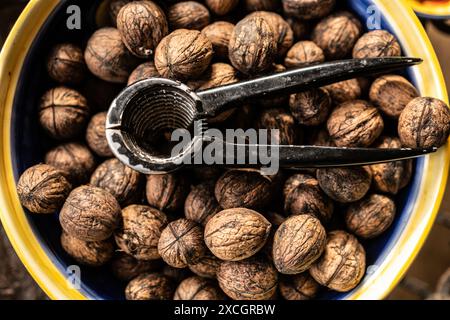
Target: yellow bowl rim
x,y
54,283
437,10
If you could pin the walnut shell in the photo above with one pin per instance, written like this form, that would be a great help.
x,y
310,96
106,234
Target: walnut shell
x,y
298,287
183,54
298,242
221,7
303,53
197,288
219,33
90,253
308,9
377,44
90,214
344,91
302,195
126,267
150,286
65,64
343,263
243,188
63,113
344,184
280,120
201,204
371,216
310,108
236,234
140,232
143,71
251,279
188,15
108,58
392,176
253,45
424,123
391,93
43,189
74,159
262,5
96,136
167,192
120,180
207,266
142,25
355,124
337,34
284,36
114,8
218,74
181,243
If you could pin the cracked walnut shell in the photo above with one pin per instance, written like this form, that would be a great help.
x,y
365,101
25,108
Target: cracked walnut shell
x,y
236,234
298,242
343,263
140,232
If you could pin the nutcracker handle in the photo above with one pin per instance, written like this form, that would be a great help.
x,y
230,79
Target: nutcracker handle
x,y
217,100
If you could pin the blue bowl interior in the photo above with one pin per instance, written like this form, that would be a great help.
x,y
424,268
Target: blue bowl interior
x,y
29,142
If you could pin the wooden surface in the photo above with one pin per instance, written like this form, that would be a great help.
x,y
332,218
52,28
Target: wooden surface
x,y
432,261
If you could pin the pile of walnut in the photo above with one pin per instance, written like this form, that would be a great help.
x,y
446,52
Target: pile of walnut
x,y
207,233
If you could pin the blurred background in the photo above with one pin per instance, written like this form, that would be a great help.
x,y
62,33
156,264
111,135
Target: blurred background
x,y
431,269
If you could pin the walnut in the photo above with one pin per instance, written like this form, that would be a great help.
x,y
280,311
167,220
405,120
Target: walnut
x,y
43,189
391,93
120,180
65,64
320,137
301,28
63,113
284,36
243,188
142,25
298,242
114,8
219,33
236,234
126,267
303,53
143,71
424,123
280,120
251,279
181,243
218,74
355,124
375,44
298,287
302,195
337,34
308,9
310,108
176,274
344,184
90,253
197,288
344,91
96,135
343,263
253,45
262,5
140,232
108,58
207,266
201,204
90,214
371,216
392,176
150,286
273,101
74,159
188,15
167,192
221,7
183,54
